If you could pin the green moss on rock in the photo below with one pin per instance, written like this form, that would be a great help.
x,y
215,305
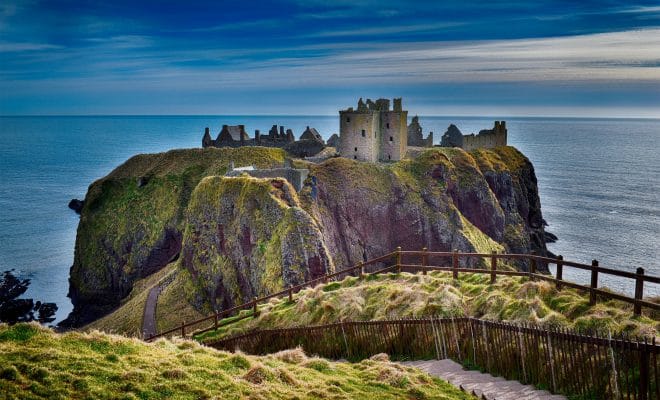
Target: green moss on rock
x,y
131,224
247,237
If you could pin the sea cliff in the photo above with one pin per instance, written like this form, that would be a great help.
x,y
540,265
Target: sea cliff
x,y
235,238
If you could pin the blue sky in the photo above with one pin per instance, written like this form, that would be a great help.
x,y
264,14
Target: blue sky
x,y
313,57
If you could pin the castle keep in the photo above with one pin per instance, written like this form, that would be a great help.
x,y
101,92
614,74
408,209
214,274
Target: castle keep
x,y
373,132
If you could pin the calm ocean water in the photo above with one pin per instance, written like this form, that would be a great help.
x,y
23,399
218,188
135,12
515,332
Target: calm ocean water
x,y
599,182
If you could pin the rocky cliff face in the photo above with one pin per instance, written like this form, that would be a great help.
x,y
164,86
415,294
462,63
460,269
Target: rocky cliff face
x,y
241,237
246,237
442,199
131,224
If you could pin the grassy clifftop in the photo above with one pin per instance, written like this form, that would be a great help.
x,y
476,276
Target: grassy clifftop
x,y
36,363
406,295
131,223
242,237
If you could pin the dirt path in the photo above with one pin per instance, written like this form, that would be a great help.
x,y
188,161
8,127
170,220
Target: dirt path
x,y
484,386
149,318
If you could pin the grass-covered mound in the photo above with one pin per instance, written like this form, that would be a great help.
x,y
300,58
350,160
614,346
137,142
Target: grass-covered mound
x,y
414,295
132,221
36,363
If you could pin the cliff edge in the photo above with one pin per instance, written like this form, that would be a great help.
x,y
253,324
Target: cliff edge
x,y
234,238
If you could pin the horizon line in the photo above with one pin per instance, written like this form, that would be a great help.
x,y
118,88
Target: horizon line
x,y
331,115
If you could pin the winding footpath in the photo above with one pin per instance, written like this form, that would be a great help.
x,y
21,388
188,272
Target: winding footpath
x,y
149,317
483,386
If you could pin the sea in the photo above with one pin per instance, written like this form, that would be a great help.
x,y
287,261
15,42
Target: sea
x,y
599,183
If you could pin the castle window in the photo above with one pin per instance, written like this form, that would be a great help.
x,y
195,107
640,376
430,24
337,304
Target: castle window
x,y
391,139
348,119
388,125
389,157
355,157
356,149
364,133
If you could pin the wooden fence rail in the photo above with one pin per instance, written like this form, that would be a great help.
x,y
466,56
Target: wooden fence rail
x,y
483,263
587,366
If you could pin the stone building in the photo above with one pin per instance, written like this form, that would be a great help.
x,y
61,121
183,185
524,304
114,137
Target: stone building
x,y
311,134
487,138
295,176
310,144
416,136
373,132
333,141
453,137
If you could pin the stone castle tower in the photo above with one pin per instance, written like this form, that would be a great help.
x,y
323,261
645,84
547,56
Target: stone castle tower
x,y
373,132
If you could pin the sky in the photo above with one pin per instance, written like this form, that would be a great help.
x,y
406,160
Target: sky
x,y
314,57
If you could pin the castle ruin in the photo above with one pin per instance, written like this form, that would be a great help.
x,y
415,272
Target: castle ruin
x,y
310,143
416,136
487,138
373,132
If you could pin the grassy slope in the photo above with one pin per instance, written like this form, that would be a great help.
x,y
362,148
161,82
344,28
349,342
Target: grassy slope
x,y
36,363
408,295
119,213
127,319
172,306
122,221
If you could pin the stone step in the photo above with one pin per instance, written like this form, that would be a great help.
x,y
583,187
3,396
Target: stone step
x,y
483,386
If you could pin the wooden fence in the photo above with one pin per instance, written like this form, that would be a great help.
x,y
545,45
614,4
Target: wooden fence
x,y
577,364
491,264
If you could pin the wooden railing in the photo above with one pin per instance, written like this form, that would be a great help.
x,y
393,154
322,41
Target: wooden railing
x,y
587,365
400,260
215,319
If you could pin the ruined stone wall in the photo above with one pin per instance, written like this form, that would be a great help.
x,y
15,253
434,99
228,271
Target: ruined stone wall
x,y
487,138
296,177
394,135
358,138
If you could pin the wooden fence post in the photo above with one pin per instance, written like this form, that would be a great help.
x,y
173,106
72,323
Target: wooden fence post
x,y
254,306
398,259
493,267
183,329
424,260
532,265
361,270
639,290
560,271
594,282
644,372
454,264
290,294
215,320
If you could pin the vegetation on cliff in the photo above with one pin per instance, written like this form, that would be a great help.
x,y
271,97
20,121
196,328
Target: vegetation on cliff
x,y
36,363
386,296
241,237
131,224
247,237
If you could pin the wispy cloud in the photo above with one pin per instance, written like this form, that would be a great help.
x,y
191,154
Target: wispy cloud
x,y
630,56
21,47
371,31
314,47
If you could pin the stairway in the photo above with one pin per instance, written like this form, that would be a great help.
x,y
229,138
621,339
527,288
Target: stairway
x,y
484,386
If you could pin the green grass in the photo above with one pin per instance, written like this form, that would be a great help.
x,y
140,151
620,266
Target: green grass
x,y
414,295
36,363
122,221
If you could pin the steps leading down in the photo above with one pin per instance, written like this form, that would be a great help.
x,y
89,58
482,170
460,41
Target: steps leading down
x,y
484,386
